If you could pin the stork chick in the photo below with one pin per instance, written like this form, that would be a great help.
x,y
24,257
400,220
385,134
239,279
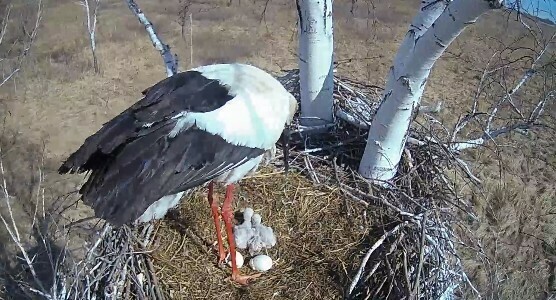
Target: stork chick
x,y
244,232
263,236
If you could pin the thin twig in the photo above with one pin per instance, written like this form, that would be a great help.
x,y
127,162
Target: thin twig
x,y
377,244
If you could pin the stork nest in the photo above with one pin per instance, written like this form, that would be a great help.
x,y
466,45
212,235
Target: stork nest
x,y
338,236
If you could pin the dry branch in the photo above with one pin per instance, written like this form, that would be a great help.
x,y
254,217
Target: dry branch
x,y
522,121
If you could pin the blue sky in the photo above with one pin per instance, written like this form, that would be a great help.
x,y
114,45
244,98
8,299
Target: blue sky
x,y
541,8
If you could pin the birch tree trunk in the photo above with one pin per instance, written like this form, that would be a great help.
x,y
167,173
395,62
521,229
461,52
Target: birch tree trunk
x,y
431,32
316,61
91,28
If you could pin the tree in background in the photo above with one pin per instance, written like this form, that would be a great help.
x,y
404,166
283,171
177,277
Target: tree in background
x,y
91,14
17,36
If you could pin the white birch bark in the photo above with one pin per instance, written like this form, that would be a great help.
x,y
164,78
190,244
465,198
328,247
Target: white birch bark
x,y
429,11
316,50
91,28
170,60
421,48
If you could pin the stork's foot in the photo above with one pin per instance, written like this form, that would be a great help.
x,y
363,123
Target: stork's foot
x,y
221,254
244,279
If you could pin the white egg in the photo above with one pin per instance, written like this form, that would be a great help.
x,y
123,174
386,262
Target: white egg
x,y
239,260
261,263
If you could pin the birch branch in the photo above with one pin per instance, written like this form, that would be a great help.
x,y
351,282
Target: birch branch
x,y
526,77
489,136
5,23
473,114
539,108
170,60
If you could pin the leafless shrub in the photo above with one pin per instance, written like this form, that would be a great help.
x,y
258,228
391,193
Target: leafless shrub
x,y
16,39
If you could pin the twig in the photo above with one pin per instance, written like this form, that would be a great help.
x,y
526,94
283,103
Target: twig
x,y
377,244
337,177
5,22
9,76
7,198
421,254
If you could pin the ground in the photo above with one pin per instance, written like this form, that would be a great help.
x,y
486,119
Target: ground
x,y
57,100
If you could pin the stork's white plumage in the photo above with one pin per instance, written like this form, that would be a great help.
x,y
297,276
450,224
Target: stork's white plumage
x,y
211,124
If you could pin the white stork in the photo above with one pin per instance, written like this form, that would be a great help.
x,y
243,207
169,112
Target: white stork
x,y
209,124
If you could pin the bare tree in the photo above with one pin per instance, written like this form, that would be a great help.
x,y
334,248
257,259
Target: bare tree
x,y
22,38
91,28
13,57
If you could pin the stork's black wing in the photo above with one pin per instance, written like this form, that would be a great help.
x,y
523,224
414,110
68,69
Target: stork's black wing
x,y
187,91
132,165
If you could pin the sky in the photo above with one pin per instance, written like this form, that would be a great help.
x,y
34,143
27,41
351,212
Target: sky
x,y
545,9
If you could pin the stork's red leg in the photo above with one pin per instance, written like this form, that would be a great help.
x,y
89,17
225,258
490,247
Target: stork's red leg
x,y
227,216
216,217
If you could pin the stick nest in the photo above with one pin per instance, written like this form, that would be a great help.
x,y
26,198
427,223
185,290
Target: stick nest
x,y
338,235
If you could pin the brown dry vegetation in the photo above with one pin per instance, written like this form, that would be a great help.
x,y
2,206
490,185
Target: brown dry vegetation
x,y
315,250
57,101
